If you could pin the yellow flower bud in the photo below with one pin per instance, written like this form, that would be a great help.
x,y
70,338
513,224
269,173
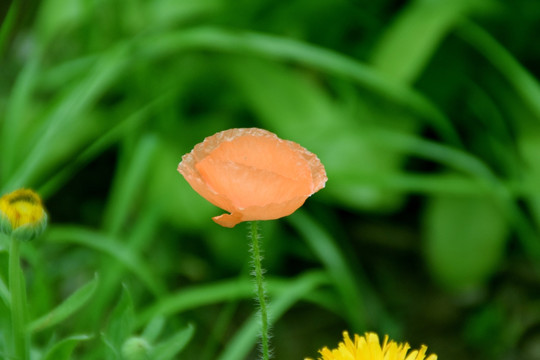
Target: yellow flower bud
x,y
22,215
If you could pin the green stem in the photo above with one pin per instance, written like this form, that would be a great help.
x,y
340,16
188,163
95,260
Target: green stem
x,y
260,289
21,350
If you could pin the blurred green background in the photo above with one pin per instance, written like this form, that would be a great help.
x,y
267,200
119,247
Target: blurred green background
x,y
426,115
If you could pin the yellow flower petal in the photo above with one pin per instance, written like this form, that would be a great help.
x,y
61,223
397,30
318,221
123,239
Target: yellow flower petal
x,y
22,215
368,347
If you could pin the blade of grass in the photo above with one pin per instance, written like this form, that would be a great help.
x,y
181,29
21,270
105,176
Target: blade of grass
x,y
145,227
427,149
353,288
153,329
196,296
203,295
218,334
120,325
69,306
446,183
7,24
473,166
408,43
106,140
284,49
73,101
171,347
128,183
63,349
15,118
110,246
517,76
298,288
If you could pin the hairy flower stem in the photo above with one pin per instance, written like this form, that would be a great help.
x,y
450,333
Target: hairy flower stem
x,y
260,290
20,341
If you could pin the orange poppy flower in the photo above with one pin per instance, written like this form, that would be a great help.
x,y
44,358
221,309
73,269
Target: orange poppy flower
x,y
252,174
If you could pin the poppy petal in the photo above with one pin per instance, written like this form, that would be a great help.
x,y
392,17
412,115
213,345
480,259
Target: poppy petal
x,y
247,186
228,220
252,174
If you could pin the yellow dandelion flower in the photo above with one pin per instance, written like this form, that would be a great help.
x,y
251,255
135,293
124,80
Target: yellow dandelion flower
x,y
22,215
368,347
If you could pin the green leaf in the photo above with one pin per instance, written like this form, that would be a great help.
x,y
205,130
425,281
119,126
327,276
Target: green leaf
x,y
73,303
331,256
15,119
105,140
56,127
196,296
465,240
205,294
530,149
7,25
171,347
121,321
154,328
171,12
129,182
110,246
284,49
522,82
413,37
62,350
55,16
352,288
112,352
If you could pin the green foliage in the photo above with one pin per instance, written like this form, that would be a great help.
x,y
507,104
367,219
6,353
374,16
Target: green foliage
x,y
425,114
120,323
63,349
169,348
465,240
77,300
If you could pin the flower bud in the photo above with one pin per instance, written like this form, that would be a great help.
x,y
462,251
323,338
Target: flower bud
x,y
22,215
136,348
